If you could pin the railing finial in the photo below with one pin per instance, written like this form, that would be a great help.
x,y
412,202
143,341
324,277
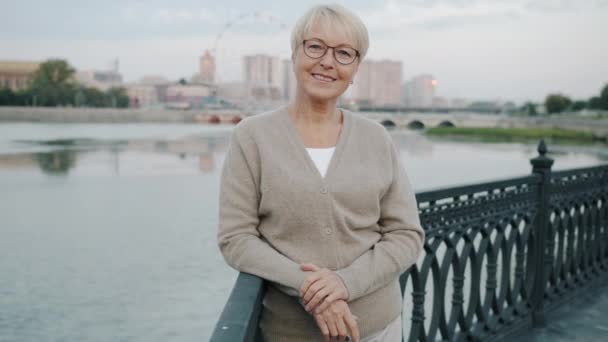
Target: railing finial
x,y
542,147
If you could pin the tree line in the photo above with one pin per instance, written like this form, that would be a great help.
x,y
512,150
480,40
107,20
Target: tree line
x,y
53,84
557,103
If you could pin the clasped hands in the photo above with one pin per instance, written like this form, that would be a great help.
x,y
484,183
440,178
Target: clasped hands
x,y
324,295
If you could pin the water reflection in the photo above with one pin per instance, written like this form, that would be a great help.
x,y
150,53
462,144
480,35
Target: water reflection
x,y
414,144
426,159
59,156
56,163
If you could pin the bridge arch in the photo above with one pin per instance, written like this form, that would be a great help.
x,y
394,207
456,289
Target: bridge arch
x,y
416,124
446,123
388,123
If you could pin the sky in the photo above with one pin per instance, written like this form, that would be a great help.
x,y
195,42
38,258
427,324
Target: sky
x,y
514,50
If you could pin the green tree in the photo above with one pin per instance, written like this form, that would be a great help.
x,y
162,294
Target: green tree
x,y
529,108
7,97
93,97
604,98
53,83
578,105
594,103
556,103
117,97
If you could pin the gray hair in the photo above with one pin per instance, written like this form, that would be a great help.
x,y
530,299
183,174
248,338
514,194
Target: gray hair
x,y
330,16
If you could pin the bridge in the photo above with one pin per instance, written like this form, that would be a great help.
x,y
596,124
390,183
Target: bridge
x,y
427,120
500,258
420,120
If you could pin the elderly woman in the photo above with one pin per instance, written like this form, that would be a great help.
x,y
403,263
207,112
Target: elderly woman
x,y
314,200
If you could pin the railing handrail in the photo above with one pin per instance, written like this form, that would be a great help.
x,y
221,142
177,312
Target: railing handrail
x,y
571,172
434,194
239,319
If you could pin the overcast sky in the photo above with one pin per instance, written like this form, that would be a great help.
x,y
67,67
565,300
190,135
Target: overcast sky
x,y
477,49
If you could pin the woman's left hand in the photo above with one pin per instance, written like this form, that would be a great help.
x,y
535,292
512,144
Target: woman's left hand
x,y
321,288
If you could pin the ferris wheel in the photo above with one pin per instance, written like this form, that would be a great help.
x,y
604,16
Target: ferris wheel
x,y
254,17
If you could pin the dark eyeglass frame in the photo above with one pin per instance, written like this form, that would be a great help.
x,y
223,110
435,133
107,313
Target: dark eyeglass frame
x,y
357,54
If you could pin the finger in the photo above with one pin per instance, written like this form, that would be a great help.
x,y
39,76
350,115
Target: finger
x,y
353,327
323,327
309,267
312,290
331,324
316,300
311,279
342,332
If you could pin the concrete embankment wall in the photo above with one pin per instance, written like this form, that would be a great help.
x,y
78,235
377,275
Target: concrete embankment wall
x,y
104,115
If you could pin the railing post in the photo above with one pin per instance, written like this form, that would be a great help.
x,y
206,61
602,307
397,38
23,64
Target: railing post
x,y
541,258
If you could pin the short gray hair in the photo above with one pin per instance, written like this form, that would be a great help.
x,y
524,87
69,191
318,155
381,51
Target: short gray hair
x,y
329,16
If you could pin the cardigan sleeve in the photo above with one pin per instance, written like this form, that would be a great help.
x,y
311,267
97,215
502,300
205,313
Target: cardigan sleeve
x,y
238,237
401,242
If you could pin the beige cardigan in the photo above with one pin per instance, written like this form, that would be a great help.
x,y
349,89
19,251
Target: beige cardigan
x,y
276,212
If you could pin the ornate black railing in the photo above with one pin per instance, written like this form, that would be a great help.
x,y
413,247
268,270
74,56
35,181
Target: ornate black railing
x,y
498,256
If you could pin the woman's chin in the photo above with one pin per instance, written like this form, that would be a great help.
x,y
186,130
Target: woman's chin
x,y
322,95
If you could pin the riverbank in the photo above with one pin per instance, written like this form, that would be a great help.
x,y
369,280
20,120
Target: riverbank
x,y
495,134
113,115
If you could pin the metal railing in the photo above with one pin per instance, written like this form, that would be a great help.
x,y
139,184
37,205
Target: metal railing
x,y
498,256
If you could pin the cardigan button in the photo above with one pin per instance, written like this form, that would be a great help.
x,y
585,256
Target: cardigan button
x,y
327,230
323,190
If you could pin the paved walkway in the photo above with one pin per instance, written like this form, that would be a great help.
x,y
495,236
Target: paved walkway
x,y
584,319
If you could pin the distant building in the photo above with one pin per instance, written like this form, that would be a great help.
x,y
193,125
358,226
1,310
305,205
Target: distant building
x,y
440,102
485,106
206,72
289,81
16,75
377,83
102,80
407,92
262,75
459,103
149,91
142,95
188,96
207,68
262,70
234,92
509,106
153,80
419,91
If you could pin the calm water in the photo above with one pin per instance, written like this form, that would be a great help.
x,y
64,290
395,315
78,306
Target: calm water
x,y
107,232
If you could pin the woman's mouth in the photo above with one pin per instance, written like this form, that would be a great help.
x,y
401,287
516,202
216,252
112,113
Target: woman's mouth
x,y
323,78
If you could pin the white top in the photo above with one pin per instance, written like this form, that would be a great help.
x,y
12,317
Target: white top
x,y
321,157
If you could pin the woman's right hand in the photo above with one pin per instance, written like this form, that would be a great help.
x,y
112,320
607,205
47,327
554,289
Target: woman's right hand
x,y
338,322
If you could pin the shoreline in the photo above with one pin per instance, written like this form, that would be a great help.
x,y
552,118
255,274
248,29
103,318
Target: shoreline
x,y
115,115
497,134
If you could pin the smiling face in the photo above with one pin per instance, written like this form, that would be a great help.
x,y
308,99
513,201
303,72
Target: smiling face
x,y
323,79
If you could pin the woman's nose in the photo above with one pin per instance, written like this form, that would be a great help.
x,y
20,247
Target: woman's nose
x,y
327,61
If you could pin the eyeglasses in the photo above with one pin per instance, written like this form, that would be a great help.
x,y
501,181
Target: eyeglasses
x,y
343,54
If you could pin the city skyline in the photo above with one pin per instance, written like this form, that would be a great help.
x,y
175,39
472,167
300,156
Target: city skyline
x,y
516,50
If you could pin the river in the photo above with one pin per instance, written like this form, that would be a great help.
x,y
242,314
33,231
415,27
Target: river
x,y
107,231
